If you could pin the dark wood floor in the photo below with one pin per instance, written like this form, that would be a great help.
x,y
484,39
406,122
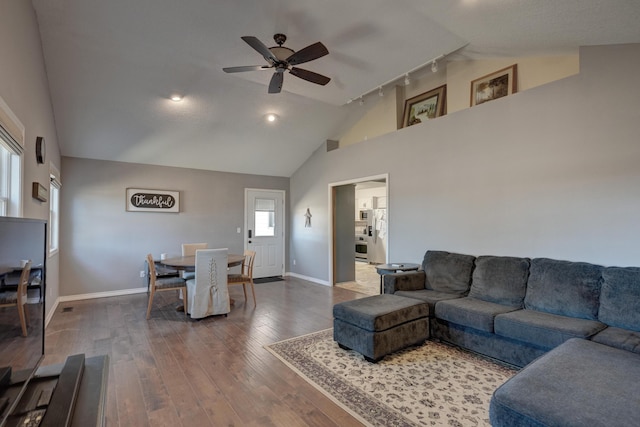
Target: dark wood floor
x,y
170,371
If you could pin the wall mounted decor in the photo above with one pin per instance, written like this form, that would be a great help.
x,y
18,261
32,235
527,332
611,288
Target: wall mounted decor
x,y
495,85
40,150
39,192
142,200
425,106
307,219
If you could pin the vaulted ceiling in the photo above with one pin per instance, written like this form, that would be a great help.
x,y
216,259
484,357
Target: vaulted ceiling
x,y
112,66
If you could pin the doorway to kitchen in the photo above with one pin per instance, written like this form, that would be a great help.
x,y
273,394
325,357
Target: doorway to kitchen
x,y
359,232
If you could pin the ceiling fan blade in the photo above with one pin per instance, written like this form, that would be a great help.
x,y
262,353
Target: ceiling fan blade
x,y
246,68
307,54
310,76
260,47
275,85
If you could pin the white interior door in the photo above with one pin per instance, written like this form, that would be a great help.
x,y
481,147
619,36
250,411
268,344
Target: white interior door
x,y
264,211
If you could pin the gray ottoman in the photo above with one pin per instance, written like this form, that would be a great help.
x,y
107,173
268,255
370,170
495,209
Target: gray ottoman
x,y
379,325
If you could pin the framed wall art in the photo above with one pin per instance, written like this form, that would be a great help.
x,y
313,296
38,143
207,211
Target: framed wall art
x,y
495,85
425,106
142,200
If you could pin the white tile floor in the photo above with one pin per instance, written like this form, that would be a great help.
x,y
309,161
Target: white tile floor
x,y
367,280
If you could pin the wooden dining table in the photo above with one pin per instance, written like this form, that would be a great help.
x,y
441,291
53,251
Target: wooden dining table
x,y
189,261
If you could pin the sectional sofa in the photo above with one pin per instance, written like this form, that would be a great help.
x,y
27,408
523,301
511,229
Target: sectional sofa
x,y
568,318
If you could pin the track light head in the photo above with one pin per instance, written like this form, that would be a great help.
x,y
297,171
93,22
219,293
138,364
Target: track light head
x,y
434,66
407,81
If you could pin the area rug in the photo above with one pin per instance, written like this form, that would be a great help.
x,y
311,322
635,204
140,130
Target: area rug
x,y
429,385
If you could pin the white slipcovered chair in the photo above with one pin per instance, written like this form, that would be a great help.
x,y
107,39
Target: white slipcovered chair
x,y
208,293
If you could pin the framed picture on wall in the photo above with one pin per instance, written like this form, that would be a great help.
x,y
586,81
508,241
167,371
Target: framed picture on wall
x,y
425,106
143,200
495,85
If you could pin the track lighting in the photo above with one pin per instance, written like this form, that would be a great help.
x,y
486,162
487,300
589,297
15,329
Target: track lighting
x,y
396,81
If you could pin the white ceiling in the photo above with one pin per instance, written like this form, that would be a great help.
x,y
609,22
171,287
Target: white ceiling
x,y
113,64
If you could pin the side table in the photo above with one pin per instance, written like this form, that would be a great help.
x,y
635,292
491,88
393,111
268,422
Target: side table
x,y
383,269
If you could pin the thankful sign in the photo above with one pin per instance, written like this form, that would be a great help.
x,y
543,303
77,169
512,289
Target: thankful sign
x,y
153,200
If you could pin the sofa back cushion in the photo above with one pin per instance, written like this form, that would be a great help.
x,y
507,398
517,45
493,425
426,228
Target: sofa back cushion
x,y
620,298
564,288
447,272
501,280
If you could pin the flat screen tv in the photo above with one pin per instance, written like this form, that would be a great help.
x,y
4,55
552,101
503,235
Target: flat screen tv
x,y
21,239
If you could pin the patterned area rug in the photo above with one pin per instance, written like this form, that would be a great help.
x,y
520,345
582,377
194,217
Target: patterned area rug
x,y
430,385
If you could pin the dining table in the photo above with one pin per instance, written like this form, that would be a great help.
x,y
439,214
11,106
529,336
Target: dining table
x,y
189,261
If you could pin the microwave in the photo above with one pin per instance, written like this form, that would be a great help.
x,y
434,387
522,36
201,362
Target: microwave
x,y
364,215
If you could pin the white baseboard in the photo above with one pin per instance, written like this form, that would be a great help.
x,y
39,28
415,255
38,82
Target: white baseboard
x,y
309,279
107,294
51,313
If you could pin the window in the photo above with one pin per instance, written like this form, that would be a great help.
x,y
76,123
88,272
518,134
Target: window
x,y
54,209
10,179
265,217
11,148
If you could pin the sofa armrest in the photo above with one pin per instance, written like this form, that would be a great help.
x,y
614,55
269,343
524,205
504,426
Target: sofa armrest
x,y
404,281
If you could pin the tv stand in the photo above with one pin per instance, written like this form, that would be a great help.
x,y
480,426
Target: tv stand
x,y
72,394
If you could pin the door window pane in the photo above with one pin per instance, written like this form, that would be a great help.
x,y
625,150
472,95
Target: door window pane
x,y
265,217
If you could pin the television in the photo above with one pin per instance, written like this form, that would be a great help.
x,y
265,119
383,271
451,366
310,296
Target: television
x,y
21,239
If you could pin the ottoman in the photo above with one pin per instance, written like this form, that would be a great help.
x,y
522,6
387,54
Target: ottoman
x,y
379,325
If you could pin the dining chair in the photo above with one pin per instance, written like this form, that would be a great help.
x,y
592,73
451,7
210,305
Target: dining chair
x,y
208,292
18,298
189,249
246,275
165,284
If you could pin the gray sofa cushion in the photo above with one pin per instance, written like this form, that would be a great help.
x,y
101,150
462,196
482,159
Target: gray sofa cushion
x,y
620,298
404,281
471,312
502,280
619,338
544,329
564,288
430,297
578,384
447,272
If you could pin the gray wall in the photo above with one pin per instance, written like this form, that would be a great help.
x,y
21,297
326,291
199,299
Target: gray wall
x,y
550,172
24,87
345,206
103,246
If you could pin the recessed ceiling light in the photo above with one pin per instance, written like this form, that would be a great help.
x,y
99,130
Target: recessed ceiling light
x,y
271,117
176,98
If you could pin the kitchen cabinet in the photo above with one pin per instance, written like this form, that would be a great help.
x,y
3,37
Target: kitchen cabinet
x,y
365,203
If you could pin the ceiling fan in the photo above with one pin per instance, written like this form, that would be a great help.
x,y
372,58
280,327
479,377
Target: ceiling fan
x,y
281,59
